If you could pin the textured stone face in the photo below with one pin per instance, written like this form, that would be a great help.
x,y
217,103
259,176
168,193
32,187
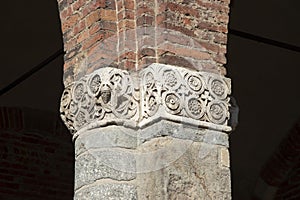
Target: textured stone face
x,y
193,176
111,191
159,91
167,160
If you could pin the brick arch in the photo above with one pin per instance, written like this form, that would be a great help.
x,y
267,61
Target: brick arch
x,y
36,155
280,175
277,169
27,119
11,119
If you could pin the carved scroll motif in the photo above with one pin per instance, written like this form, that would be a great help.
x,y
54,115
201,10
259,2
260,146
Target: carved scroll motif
x,y
165,91
106,94
182,92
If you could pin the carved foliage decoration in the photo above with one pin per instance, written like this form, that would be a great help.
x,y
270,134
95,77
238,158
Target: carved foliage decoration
x,y
106,94
109,95
182,92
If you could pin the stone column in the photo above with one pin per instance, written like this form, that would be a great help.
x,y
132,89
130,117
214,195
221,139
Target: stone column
x,y
146,98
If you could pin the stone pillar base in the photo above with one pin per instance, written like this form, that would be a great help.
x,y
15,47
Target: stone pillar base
x,y
165,160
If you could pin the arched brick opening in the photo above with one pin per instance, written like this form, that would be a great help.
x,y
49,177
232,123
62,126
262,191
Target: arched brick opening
x,y
36,151
36,156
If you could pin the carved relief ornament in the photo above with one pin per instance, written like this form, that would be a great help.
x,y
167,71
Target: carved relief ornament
x,y
114,96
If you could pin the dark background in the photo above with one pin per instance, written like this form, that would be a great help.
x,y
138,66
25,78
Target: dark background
x,y
265,78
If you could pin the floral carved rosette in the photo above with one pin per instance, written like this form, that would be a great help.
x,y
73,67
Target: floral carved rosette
x,y
178,92
107,94
66,108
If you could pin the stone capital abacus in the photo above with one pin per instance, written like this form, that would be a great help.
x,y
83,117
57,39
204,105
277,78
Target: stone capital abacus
x,y
111,96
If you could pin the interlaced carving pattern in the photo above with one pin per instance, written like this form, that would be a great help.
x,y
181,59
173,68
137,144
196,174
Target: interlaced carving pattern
x,y
111,94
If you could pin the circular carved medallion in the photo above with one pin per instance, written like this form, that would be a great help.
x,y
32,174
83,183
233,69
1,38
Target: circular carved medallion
x,y
216,112
171,79
94,84
194,83
195,108
172,102
79,91
218,88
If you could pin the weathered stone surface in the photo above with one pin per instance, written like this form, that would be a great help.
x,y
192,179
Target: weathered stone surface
x,y
106,137
216,137
123,137
114,96
104,164
164,134
194,175
168,128
159,153
224,159
107,191
165,160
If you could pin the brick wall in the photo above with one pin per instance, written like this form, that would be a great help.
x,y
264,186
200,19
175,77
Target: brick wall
x,y
281,172
287,155
290,187
131,34
36,156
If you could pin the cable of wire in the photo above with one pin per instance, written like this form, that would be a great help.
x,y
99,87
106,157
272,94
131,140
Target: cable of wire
x,y
31,72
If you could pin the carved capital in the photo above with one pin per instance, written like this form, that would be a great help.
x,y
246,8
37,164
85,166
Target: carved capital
x,y
134,99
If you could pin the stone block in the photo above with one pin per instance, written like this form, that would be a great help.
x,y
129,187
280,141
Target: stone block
x,y
194,175
106,137
110,191
104,164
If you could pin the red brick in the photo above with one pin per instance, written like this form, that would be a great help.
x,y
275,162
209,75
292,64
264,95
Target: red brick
x,y
70,22
91,41
78,4
145,20
107,25
83,36
90,7
128,55
78,27
184,51
210,46
92,18
126,24
220,38
143,9
94,28
212,27
127,64
189,21
147,52
110,4
181,29
129,5
120,6
174,60
129,14
174,38
109,15
220,58
66,13
214,6
146,41
145,61
185,10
